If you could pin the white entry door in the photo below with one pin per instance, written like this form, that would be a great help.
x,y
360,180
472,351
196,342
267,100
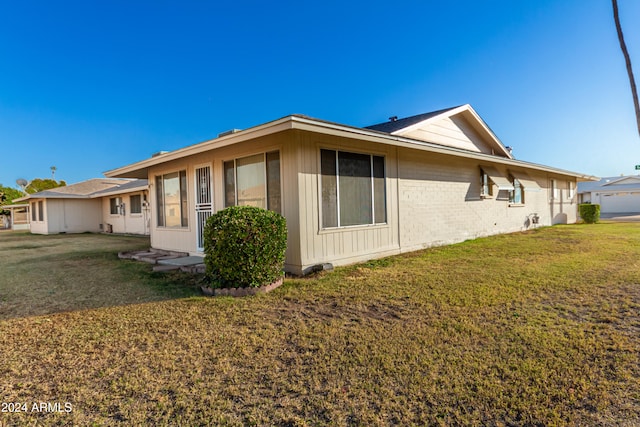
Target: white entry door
x,y
204,201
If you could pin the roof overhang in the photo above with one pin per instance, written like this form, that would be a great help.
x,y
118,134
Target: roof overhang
x,y
15,206
297,122
115,191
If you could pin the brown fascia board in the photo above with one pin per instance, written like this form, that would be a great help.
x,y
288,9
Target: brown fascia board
x,y
305,123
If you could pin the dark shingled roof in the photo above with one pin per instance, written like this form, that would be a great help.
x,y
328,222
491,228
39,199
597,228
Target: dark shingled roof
x,y
392,126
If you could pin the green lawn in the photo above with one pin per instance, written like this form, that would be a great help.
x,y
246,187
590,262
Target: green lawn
x,y
534,328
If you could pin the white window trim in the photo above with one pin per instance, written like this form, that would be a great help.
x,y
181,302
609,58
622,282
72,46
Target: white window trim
x,y
180,228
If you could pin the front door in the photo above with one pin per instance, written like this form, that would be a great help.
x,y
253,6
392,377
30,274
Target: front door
x,y
204,201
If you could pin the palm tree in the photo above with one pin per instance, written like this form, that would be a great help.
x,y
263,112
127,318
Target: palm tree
x,y
627,59
53,171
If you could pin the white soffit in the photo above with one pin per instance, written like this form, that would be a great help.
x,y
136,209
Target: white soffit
x,y
499,180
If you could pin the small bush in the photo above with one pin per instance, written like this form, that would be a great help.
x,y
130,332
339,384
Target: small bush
x,y
590,213
244,247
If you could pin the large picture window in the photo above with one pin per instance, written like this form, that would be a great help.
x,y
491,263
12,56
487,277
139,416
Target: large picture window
x,y
353,189
171,195
254,181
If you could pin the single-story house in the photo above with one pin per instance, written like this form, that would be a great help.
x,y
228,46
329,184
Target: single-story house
x,y
618,194
96,205
351,194
18,218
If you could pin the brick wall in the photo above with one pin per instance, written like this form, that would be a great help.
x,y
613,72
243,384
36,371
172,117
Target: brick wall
x,y
440,202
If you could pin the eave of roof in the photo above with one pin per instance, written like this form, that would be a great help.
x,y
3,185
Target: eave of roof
x,y
14,205
130,187
89,189
300,122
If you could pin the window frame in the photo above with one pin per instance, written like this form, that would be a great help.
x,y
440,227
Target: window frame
x,y
375,209
512,193
272,192
183,191
131,205
114,205
485,182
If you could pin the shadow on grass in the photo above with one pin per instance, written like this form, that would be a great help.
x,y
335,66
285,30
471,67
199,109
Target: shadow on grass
x,y
50,274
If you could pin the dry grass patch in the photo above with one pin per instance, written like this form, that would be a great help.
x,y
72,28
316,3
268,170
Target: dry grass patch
x,y
536,328
49,274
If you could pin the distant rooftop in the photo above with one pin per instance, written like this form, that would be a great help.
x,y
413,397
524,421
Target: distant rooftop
x,y
611,183
89,188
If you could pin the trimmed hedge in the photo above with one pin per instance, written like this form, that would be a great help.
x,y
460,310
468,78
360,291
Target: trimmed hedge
x,y
590,213
244,247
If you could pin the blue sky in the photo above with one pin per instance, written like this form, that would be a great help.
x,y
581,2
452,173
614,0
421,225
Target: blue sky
x,y
90,86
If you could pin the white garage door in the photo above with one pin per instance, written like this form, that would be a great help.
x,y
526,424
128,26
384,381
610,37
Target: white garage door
x,y
620,202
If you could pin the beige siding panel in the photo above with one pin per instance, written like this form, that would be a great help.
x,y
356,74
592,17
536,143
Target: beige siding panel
x,y
349,244
184,239
129,223
290,198
453,132
72,216
564,209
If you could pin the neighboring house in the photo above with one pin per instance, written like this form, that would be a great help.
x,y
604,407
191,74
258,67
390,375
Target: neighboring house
x,y
351,194
18,218
618,194
95,205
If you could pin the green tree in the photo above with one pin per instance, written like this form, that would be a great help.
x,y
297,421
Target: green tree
x,y
7,195
39,184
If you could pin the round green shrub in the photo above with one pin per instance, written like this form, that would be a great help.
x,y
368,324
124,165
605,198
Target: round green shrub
x,y
244,247
590,213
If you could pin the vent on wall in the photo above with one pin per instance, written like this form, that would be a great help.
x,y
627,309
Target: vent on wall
x,y
229,132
